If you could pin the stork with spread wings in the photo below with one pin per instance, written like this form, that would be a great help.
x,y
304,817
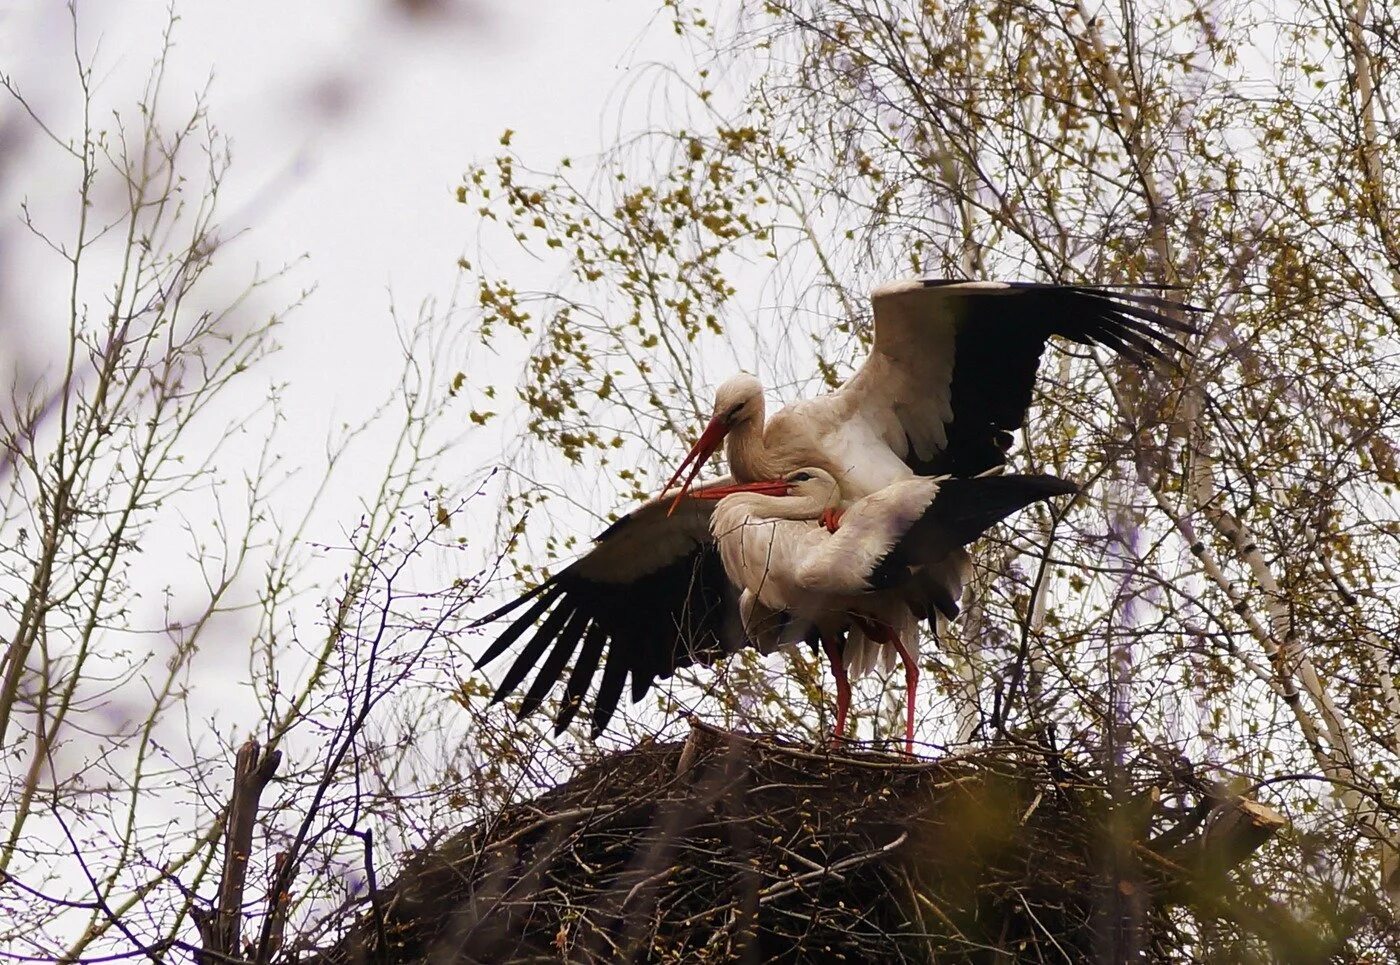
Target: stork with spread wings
x,y
948,381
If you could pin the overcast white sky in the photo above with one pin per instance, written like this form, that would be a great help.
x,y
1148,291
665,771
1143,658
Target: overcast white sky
x,y
351,125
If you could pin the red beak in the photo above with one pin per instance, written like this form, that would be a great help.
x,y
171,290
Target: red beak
x,y
695,460
771,487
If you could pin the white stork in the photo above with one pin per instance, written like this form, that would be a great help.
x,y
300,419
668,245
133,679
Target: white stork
x,y
949,378
858,584
947,381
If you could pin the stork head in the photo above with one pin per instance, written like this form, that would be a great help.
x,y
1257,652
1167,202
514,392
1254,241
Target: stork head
x,y
815,485
739,399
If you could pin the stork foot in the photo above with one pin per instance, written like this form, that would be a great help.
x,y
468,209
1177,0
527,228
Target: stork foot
x,y
831,519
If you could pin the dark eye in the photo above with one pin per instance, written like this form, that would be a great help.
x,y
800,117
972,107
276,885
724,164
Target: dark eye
x,y
799,477
734,411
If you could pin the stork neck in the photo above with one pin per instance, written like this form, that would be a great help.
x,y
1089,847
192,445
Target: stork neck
x,y
747,452
773,507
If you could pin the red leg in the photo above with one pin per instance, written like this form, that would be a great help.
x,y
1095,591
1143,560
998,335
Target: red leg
x,y
843,686
911,686
831,519
884,633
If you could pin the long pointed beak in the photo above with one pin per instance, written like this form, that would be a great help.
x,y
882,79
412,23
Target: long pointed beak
x,y
772,487
695,460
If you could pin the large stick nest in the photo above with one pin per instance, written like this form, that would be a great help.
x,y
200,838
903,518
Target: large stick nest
x,y
728,847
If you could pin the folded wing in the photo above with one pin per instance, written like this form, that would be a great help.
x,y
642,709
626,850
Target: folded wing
x,y
959,514
889,539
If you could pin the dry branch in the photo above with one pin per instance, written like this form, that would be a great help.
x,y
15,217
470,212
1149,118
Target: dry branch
x,y
1234,831
219,930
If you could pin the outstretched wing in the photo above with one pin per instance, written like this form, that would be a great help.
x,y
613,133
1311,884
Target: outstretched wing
x,y
650,597
953,364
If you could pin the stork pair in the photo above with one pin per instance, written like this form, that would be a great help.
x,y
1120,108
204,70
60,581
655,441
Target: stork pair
x,y
905,447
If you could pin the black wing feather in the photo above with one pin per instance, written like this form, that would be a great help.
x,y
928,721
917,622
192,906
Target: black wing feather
x,y
683,612
997,349
581,676
610,689
513,605
565,644
544,636
523,622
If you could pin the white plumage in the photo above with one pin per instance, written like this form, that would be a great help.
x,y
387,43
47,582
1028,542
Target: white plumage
x,y
866,584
